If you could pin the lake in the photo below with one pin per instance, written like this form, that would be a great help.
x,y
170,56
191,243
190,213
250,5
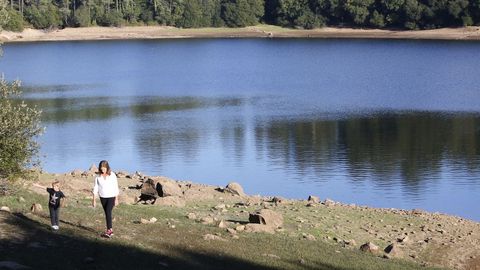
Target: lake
x,y
381,123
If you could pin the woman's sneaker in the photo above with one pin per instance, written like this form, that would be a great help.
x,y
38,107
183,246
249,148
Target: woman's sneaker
x,y
55,227
108,233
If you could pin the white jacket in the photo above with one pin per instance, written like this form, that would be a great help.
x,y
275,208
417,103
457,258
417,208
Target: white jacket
x,y
106,187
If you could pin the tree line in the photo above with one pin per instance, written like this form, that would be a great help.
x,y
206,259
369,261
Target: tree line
x,y
308,14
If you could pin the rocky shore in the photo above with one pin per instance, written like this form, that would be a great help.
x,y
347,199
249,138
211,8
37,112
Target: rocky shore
x,y
260,31
430,239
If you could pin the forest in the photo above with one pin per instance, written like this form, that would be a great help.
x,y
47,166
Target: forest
x,y
303,14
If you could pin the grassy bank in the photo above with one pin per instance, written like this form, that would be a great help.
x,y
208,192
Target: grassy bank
x,y
173,242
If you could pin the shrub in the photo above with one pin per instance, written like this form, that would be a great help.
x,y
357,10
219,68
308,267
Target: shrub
x,y
19,127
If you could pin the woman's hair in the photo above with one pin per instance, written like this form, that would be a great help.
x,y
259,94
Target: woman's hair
x,y
104,163
55,183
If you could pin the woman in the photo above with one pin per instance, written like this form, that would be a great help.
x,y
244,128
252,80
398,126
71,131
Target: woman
x,y
106,186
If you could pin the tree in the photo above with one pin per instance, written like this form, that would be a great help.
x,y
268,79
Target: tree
x,y
192,14
358,10
19,127
15,22
413,13
240,13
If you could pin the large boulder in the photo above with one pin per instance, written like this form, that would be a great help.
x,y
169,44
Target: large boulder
x,y
266,217
235,189
167,188
313,199
369,247
393,250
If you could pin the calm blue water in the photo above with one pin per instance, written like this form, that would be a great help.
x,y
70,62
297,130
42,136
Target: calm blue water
x,y
371,122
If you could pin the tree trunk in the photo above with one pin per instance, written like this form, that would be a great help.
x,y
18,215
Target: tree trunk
x,y
154,9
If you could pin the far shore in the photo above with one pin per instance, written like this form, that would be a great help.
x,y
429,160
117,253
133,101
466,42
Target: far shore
x,y
471,33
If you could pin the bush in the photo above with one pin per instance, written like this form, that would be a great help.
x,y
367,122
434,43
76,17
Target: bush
x,y
19,126
467,21
15,21
112,18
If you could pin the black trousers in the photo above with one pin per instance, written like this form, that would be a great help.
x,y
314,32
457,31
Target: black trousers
x,y
54,214
108,204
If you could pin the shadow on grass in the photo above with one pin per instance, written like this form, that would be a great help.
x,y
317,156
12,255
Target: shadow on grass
x,y
38,247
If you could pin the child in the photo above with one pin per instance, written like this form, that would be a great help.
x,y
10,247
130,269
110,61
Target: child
x,y
54,203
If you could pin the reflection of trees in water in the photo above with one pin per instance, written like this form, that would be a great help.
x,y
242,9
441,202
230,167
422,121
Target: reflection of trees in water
x,y
62,110
180,131
411,147
158,141
309,145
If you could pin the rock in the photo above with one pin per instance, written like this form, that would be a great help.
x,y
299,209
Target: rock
x,y
144,221
369,247
222,224
266,217
212,237
350,242
93,170
153,220
5,209
277,200
206,220
21,199
231,231
220,206
191,216
328,202
12,265
76,172
313,199
309,237
121,174
167,188
271,256
404,239
234,188
240,228
36,208
393,250
418,212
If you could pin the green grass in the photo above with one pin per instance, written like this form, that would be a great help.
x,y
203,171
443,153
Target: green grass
x,y
159,246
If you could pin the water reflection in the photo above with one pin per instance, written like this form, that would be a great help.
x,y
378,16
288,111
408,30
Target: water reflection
x,y
409,148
